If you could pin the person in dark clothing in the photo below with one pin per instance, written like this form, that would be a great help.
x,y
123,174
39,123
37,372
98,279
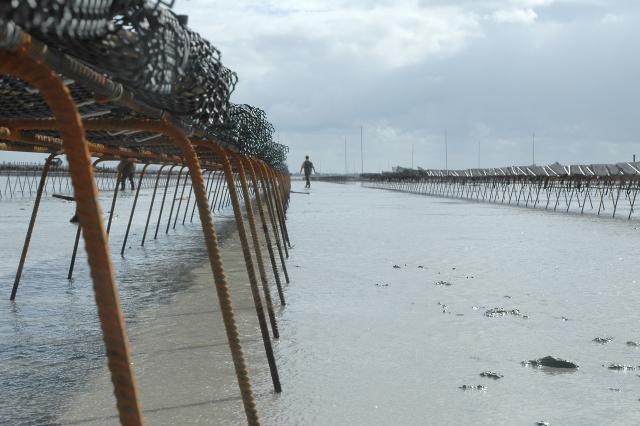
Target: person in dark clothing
x,y
307,166
127,169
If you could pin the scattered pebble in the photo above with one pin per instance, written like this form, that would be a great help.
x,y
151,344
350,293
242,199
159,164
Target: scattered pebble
x,y
603,340
565,319
420,267
491,375
620,367
550,361
632,343
501,312
453,269
471,387
615,390
443,283
542,423
507,297
396,266
382,284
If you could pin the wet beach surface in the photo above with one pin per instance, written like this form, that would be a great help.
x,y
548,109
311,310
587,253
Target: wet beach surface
x,y
397,304
374,333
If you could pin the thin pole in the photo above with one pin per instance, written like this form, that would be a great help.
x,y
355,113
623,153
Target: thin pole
x,y
173,202
256,246
345,156
184,185
32,223
533,149
113,200
253,282
265,229
479,148
74,253
361,151
412,147
133,209
164,197
153,197
446,152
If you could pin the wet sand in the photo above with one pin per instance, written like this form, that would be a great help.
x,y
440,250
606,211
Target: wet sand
x,y
364,342
183,364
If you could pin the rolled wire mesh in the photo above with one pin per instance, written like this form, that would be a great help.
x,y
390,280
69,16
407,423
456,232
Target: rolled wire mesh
x,y
143,45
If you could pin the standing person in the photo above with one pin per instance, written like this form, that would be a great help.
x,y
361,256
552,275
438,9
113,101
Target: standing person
x,y
307,166
127,169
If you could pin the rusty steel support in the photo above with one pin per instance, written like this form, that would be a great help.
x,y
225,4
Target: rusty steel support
x,y
133,209
224,297
253,282
248,205
206,189
216,191
173,202
272,215
273,191
32,223
186,208
153,198
164,197
18,63
72,264
280,206
113,201
184,185
265,229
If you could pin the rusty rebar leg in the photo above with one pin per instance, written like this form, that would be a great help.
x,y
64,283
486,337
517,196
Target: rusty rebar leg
x,y
184,185
273,200
216,265
173,202
113,201
253,282
32,223
153,198
72,264
206,189
64,110
272,217
248,205
265,229
186,208
164,197
133,209
216,191
280,207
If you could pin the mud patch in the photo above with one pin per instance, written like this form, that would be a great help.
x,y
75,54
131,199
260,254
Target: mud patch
x,y
551,362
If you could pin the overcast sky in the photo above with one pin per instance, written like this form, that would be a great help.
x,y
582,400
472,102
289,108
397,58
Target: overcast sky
x,y
490,72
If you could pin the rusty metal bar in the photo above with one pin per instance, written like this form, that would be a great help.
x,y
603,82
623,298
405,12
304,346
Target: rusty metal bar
x,y
113,201
222,288
173,202
19,64
153,197
32,223
164,197
256,245
180,201
265,229
253,282
272,216
133,209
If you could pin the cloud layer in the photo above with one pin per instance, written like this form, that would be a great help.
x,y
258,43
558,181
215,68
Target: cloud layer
x,y
490,72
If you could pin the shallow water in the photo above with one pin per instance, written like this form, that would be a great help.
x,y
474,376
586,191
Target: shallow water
x,y
354,352
50,339
361,342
